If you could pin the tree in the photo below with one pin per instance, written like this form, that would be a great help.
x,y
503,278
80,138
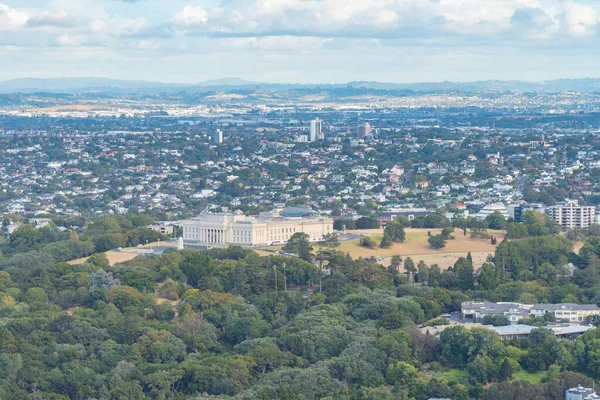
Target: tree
x,y
400,372
489,277
397,261
101,280
552,373
198,267
447,233
463,270
198,334
99,260
496,221
402,220
162,384
36,296
395,231
496,320
409,265
386,242
505,373
367,242
437,242
331,240
481,369
543,351
367,223
8,343
422,272
299,244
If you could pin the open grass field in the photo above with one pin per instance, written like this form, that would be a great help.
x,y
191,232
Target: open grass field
x,y
416,243
115,257
533,378
417,247
462,375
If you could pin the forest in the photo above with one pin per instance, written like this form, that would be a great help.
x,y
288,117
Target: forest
x,y
228,323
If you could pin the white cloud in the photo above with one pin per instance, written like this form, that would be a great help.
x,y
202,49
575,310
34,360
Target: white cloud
x,y
148,45
580,21
191,15
71,40
275,43
11,19
240,37
118,26
60,19
356,18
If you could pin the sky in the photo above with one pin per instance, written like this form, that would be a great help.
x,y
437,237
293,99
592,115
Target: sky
x,y
300,41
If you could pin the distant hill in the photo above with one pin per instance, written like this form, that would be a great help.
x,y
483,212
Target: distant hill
x,y
105,85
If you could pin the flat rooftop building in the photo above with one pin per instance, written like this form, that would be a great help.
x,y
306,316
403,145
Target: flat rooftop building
x,y
266,229
572,313
581,393
571,215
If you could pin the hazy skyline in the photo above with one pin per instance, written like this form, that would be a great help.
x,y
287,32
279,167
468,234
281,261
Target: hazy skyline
x,y
300,40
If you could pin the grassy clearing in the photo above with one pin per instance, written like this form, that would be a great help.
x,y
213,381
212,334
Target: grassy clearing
x,y
128,254
461,375
533,378
452,375
417,247
416,243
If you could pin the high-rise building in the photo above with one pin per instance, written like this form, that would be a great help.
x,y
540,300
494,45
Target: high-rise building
x,y
316,130
364,130
217,136
571,215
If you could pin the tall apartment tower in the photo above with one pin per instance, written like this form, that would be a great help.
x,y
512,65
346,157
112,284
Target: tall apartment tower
x,y
316,130
571,215
364,130
217,136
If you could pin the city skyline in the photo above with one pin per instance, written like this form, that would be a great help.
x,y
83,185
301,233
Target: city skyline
x,y
292,41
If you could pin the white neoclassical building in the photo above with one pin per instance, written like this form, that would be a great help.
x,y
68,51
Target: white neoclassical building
x,y
266,229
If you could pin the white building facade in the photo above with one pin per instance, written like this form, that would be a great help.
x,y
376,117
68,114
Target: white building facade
x,y
571,215
316,130
264,230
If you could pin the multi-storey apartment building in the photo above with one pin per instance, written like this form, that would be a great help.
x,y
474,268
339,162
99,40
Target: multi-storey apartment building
x,y
571,215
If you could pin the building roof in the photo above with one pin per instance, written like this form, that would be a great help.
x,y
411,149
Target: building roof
x,y
492,208
565,306
292,212
513,329
489,307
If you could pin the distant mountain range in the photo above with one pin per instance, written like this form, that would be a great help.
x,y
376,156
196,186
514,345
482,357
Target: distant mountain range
x,y
104,85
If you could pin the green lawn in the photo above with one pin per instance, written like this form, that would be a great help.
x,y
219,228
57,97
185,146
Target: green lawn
x,y
453,375
533,378
462,375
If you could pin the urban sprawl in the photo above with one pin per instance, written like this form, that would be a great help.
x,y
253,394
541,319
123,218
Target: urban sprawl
x,y
300,244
